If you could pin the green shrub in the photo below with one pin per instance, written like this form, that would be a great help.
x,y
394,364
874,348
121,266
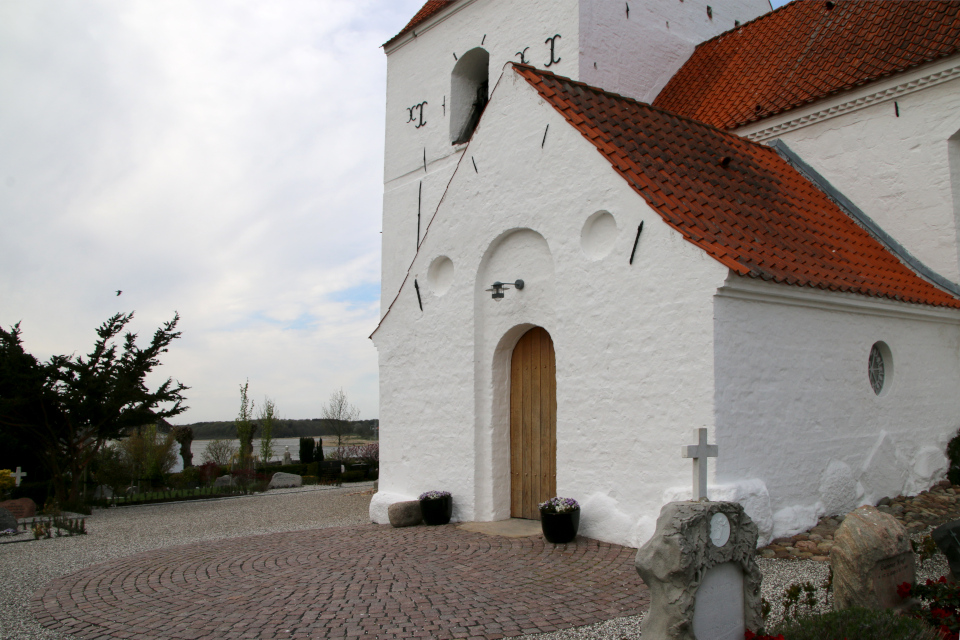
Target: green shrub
x,y
953,453
856,624
186,479
313,469
352,476
307,480
296,469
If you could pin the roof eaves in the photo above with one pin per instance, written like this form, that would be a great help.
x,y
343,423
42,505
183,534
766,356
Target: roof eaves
x,y
862,218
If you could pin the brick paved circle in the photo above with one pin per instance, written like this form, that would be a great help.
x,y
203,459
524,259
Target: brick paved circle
x,y
366,581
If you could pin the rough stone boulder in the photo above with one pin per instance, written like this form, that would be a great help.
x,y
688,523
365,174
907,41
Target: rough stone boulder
x,y
870,558
282,480
7,520
223,481
20,508
405,514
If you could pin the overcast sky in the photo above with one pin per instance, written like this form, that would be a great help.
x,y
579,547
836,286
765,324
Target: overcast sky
x,y
220,159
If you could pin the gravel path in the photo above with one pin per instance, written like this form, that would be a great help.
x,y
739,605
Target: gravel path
x,y
116,533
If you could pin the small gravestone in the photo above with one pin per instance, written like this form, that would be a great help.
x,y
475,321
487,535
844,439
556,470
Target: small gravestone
x,y
282,480
870,558
20,508
286,456
223,481
947,538
7,520
102,492
702,573
405,514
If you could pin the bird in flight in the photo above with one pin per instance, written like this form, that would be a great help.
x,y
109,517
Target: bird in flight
x,y
119,292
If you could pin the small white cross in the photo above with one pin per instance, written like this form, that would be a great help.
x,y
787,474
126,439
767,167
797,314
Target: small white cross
x,y
700,452
19,475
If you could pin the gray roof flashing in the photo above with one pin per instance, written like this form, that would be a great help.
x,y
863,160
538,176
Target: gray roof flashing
x,y
863,219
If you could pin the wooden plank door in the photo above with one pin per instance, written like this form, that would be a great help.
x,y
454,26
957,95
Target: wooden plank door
x,y
533,424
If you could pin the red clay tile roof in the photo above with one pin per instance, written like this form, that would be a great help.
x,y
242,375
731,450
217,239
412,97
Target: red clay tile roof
x,y
427,10
803,52
737,200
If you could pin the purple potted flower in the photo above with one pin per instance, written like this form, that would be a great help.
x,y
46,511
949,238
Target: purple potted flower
x,y
436,507
560,519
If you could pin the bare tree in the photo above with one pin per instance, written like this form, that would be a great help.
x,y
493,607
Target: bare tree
x,y
340,413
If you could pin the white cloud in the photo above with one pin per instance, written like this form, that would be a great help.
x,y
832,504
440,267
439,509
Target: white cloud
x,y
222,159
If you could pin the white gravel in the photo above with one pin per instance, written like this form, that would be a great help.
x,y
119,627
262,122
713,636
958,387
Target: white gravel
x,y
114,533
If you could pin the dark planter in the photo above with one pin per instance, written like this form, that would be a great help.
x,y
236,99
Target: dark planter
x,y
437,510
560,528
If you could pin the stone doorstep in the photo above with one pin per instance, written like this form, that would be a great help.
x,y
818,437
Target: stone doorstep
x,y
512,528
938,505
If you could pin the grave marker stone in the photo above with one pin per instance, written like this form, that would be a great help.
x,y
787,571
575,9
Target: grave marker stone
x,y
21,507
870,558
7,520
947,538
702,573
19,475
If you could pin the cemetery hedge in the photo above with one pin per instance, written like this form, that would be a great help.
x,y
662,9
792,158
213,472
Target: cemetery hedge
x,y
284,428
856,624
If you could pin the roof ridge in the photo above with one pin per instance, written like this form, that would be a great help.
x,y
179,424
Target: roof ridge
x,y
750,22
619,96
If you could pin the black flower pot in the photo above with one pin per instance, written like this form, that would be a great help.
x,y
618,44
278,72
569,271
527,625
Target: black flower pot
x,y
560,528
437,510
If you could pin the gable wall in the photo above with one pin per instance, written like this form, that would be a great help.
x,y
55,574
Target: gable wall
x,y
419,69
633,342
896,169
795,408
634,56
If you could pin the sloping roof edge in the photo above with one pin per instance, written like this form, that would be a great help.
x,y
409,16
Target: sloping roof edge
x,y
427,11
862,218
764,238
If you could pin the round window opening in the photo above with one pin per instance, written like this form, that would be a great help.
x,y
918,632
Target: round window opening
x,y
880,367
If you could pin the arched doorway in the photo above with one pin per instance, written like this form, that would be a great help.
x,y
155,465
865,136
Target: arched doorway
x,y
533,424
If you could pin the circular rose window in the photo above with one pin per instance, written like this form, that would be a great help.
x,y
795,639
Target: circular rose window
x,y
880,367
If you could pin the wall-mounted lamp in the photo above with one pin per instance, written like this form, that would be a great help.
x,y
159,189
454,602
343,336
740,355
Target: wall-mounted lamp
x,y
499,287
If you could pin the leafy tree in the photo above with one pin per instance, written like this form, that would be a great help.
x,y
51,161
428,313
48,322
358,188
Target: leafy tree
x,y
340,413
267,417
245,426
148,454
68,407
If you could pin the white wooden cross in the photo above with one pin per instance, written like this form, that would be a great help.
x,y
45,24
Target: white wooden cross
x,y
700,452
19,475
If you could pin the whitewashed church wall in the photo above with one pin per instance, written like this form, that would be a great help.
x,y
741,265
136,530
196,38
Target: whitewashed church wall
x,y
895,168
635,54
634,343
419,71
795,408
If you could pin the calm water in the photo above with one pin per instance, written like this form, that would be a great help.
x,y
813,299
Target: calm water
x,y
279,446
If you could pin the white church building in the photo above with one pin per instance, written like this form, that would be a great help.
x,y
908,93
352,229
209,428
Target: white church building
x,y
608,223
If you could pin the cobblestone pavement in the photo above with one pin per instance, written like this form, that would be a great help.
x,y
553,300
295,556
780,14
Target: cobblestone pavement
x,y
362,581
